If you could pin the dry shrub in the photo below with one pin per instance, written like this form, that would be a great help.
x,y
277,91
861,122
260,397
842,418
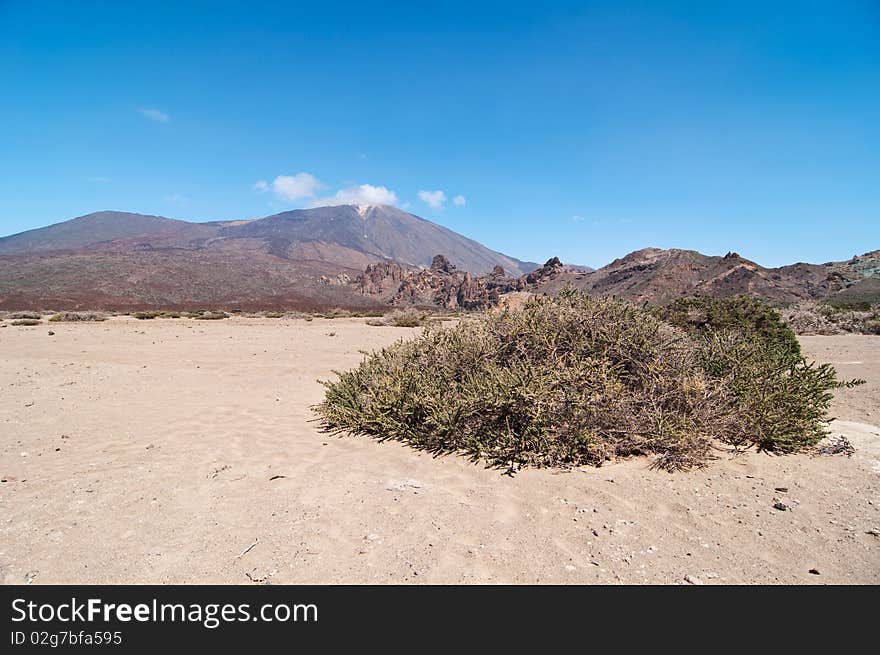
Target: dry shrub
x,y
823,318
25,315
208,315
564,381
576,380
75,317
26,321
409,317
336,312
781,399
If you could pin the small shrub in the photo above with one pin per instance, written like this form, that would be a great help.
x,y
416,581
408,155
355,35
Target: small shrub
x,y
26,321
146,316
75,317
26,315
409,318
336,312
824,318
211,316
169,314
273,315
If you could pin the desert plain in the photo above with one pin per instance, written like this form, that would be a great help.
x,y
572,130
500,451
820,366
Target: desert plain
x,y
185,451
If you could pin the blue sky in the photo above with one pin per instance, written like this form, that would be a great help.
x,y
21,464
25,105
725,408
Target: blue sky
x,y
584,130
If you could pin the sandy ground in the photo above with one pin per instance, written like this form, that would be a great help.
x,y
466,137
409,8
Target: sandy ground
x,y
181,451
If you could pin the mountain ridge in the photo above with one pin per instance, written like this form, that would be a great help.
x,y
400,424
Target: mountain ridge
x,y
361,256
380,232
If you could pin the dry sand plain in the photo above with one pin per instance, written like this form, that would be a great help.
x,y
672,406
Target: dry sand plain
x,y
182,451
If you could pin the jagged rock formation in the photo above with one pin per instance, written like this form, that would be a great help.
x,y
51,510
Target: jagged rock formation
x,y
441,285
649,275
548,272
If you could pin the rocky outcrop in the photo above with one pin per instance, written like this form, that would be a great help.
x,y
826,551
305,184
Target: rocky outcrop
x,y
549,271
441,285
648,275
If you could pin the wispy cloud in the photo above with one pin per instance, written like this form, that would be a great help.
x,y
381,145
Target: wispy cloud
x,y
305,187
177,199
292,187
155,115
459,201
361,194
296,187
434,199
577,218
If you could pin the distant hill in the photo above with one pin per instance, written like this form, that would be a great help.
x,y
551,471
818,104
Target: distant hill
x,y
657,276
380,233
347,235
300,258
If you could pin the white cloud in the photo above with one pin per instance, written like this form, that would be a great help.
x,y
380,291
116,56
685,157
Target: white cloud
x,y
434,199
296,187
261,185
155,115
459,201
361,194
177,199
577,218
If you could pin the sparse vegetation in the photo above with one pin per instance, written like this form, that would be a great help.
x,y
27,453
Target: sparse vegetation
x,y
26,321
25,315
273,315
577,380
409,317
74,317
146,316
824,318
211,316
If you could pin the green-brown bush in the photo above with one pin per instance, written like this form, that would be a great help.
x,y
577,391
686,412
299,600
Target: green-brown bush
x,y
782,398
747,316
76,317
409,317
574,380
26,321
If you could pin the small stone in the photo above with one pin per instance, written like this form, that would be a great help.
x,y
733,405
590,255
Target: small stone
x,y
780,506
51,334
691,579
781,489
814,571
